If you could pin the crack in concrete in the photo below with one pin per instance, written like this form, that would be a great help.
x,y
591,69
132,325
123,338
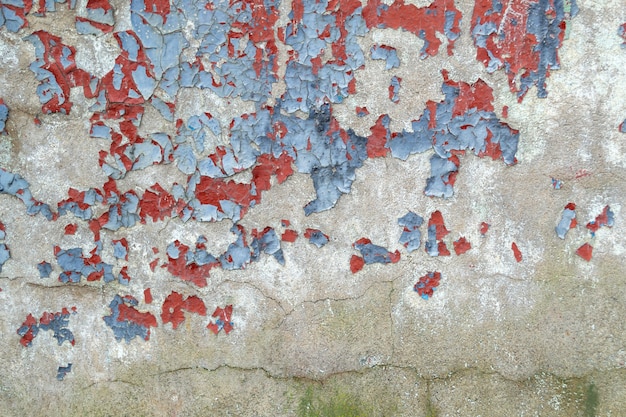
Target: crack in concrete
x,y
331,299
110,381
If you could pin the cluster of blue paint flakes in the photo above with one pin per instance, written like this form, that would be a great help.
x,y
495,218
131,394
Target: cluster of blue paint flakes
x,y
75,265
15,185
411,236
57,323
126,322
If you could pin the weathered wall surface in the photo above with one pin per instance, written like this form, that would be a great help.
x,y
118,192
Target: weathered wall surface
x,y
276,131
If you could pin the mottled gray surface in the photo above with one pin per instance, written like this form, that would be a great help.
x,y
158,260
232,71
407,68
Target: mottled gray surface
x,y
543,337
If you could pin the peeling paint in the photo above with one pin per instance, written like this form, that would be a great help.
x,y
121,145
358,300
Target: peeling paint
x,y
516,252
411,237
316,237
63,371
4,116
294,73
223,320
174,304
373,253
5,254
523,38
126,321
427,284
56,322
585,252
606,218
568,220
435,246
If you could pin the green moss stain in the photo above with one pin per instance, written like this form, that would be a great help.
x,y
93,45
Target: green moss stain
x,y
591,400
431,411
339,405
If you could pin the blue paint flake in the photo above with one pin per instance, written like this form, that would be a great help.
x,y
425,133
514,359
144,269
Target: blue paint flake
x,y
45,269
411,236
394,89
316,237
15,185
5,255
387,54
58,323
120,249
375,254
266,241
568,220
63,371
4,116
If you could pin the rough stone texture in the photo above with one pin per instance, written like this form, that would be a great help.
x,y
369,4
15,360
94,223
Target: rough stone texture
x,y
542,337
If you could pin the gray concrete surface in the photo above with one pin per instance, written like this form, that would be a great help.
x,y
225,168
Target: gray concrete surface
x,y
543,337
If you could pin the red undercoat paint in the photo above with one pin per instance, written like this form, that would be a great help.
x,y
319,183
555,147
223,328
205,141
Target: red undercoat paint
x,y
516,252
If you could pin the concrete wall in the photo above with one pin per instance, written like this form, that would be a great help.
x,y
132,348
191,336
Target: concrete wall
x,y
331,330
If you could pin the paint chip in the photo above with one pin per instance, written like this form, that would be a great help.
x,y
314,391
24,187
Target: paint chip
x,y
585,252
427,284
223,320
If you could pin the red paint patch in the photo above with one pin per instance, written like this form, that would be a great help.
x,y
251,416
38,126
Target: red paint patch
x,y
581,173
153,264
356,263
516,252
192,272
147,296
289,236
423,22
124,277
70,229
362,111
427,284
156,203
28,337
174,304
461,246
601,219
484,228
585,252
477,96
131,314
442,249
